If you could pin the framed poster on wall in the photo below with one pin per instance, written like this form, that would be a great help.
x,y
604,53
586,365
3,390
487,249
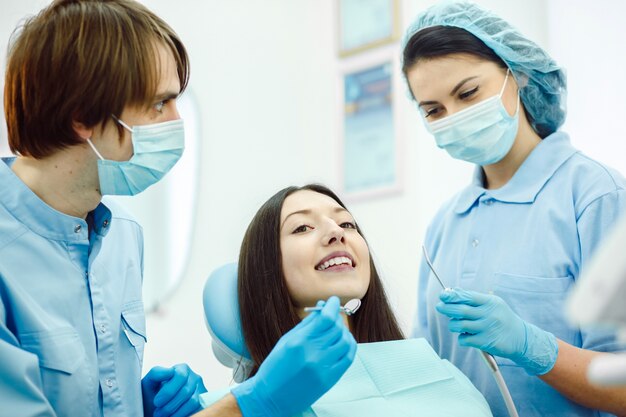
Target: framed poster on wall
x,y
370,157
366,24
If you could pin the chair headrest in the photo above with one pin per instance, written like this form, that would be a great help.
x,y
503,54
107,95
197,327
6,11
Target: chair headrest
x,y
221,311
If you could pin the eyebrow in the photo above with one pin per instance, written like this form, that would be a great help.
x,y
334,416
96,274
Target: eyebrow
x,y
453,92
309,211
460,84
167,95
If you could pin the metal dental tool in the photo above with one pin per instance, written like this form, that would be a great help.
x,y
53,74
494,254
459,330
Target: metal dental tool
x,y
349,308
488,358
432,269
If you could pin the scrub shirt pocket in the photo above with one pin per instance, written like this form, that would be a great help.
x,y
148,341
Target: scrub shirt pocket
x,y
134,327
538,300
58,350
63,367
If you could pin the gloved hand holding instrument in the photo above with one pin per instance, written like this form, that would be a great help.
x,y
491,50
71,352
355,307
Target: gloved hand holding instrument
x,y
305,363
486,322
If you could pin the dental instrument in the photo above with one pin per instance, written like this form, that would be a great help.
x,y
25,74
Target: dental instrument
x,y
432,269
488,358
349,308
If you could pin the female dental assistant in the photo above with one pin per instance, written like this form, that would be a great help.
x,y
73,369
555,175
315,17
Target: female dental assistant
x,y
515,240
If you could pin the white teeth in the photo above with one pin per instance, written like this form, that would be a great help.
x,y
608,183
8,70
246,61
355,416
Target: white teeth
x,y
339,260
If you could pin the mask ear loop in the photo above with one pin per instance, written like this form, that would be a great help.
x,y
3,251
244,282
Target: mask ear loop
x,y
508,71
94,148
124,125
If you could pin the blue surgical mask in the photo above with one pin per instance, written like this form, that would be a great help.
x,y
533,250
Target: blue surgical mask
x,y
482,134
157,147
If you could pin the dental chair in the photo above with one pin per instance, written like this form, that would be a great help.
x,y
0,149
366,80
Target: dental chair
x,y
221,312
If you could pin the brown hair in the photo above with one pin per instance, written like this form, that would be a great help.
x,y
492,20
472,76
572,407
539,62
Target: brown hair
x,y
82,60
264,302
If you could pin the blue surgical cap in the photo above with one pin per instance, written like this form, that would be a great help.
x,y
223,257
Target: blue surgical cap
x,y
542,82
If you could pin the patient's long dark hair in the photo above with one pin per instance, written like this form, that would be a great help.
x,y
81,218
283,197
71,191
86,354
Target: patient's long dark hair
x,y
265,306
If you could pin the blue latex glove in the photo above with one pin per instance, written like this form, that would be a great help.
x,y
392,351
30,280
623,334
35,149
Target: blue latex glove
x,y
305,363
171,391
487,323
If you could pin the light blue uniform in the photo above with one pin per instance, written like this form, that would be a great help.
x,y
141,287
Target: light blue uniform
x,y
72,325
525,242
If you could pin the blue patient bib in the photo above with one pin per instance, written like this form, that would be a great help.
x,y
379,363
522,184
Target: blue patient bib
x,y
400,378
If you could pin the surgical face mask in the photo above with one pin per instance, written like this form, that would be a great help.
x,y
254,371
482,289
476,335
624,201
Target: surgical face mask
x,y
482,134
157,147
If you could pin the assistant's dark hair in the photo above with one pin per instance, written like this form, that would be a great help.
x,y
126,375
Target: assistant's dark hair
x,y
265,306
438,41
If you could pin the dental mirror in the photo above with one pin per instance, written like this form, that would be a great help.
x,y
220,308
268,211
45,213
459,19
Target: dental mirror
x,y
349,308
352,306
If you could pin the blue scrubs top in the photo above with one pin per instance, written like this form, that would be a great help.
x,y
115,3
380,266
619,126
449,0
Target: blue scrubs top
x,y
72,325
527,243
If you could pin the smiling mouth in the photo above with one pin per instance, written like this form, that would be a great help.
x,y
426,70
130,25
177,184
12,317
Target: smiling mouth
x,y
337,261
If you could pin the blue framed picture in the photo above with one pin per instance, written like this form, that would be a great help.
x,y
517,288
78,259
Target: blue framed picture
x,y
365,24
370,147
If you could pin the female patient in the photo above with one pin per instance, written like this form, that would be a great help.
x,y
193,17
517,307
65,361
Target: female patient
x,y
302,246
309,248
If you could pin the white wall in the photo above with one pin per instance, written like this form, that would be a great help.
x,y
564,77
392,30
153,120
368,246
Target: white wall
x,y
265,76
589,43
11,12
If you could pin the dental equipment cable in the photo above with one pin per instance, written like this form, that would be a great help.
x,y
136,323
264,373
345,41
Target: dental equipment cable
x,y
488,358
